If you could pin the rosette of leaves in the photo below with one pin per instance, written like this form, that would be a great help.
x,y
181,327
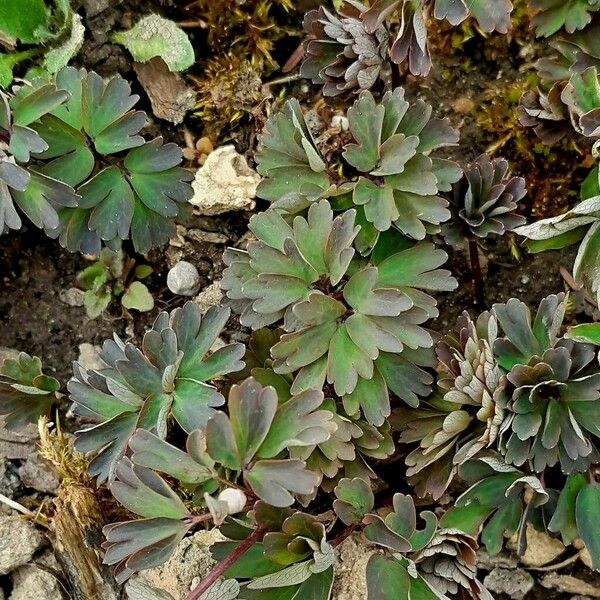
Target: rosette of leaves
x,y
581,96
546,114
411,42
34,193
427,563
553,15
166,380
392,179
129,188
501,501
249,443
575,53
360,331
449,564
453,428
553,409
339,53
484,201
26,392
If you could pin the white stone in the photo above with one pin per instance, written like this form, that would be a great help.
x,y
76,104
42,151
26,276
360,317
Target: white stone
x,y
224,183
183,279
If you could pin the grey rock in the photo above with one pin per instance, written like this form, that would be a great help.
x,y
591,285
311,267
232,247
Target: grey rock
x,y
89,356
350,579
19,540
210,296
95,7
17,445
224,183
183,279
36,473
34,582
515,583
72,296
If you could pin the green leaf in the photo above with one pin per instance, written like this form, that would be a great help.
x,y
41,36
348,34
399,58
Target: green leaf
x,y
252,563
468,518
96,301
144,493
155,36
137,297
564,519
26,393
273,480
150,451
21,20
354,500
387,579
298,423
588,514
365,119
586,332
143,544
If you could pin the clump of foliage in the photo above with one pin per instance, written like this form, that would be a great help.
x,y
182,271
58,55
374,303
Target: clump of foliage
x,y
35,27
26,392
553,15
85,135
114,276
483,203
37,195
388,174
515,398
345,50
358,328
166,380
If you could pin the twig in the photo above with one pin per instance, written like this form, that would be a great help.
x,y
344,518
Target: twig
x,y
476,273
222,566
337,540
36,517
16,506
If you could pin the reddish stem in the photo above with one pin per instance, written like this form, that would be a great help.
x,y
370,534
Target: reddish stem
x,y
222,566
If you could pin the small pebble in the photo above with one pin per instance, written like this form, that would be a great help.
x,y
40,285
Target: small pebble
x,y
183,279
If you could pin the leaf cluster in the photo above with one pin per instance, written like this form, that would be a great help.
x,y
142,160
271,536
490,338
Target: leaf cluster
x,y
346,50
114,276
81,133
516,397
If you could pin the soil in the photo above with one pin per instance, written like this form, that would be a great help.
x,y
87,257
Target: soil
x,y
473,85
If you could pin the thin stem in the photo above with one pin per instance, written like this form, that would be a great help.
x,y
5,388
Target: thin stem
x,y
222,566
336,541
16,506
478,285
